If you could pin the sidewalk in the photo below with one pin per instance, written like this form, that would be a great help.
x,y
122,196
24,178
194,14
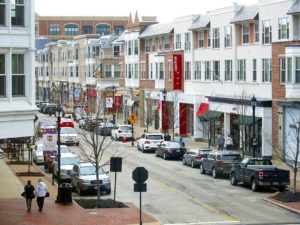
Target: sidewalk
x,y
13,209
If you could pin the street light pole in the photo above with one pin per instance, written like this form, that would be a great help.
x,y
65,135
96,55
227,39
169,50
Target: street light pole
x,y
58,115
253,103
113,106
164,93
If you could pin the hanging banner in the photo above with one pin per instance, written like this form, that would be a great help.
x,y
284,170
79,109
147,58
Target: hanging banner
x,y
109,102
118,102
177,72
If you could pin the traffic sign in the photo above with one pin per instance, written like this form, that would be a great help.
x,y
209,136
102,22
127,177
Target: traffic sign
x,y
132,118
140,175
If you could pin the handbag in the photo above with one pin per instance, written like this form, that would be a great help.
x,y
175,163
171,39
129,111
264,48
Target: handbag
x,y
23,194
47,194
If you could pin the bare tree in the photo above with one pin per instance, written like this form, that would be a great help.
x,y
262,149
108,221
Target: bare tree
x,y
149,112
173,112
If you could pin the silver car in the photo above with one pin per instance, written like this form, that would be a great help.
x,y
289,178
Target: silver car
x,y
83,178
68,135
67,161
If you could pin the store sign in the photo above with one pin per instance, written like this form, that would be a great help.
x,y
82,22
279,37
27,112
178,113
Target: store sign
x,y
50,139
177,72
109,102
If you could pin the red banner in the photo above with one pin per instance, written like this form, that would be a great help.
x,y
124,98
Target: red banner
x,y
165,116
118,102
177,72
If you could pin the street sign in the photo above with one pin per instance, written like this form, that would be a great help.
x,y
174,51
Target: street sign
x,y
115,164
140,187
140,175
132,118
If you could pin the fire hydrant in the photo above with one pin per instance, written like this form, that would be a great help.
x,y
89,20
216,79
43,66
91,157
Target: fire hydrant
x,y
124,140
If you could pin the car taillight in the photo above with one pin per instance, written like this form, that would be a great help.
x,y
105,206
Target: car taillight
x,y
220,163
199,156
147,142
119,131
261,175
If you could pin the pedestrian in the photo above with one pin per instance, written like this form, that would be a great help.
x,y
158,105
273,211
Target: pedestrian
x,y
41,190
29,194
181,141
229,142
220,141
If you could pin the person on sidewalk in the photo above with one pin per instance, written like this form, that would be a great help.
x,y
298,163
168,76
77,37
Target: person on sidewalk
x,y
29,194
229,142
220,141
41,190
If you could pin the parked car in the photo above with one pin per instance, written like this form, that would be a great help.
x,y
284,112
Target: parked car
x,y
83,178
45,124
194,157
121,131
67,122
67,161
38,154
105,128
68,135
83,120
91,125
219,162
149,142
259,172
49,157
170,149
49,108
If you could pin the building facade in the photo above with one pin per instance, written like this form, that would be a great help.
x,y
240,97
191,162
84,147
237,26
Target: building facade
x,y
17,83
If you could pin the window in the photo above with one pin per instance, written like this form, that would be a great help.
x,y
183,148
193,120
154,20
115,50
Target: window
x,y
254,70
117,70
87,29
71,71
160,44
282,70
216,70
167,43
2,76
147,45
228,37
197,75
143,70
297,72
200,39
245,30
71,29
283,28
241,70
267,70
129,72
76,71
170,70
151,71
116,51
216,38
2,14
156,71
256,31
289,70
136,71
228,70
129,45
54,29
266,32
17,13
208,38
178,41
187,70
107,70
103,29
153,45
207,70
161,71
118,29
187,41
136,47
18,76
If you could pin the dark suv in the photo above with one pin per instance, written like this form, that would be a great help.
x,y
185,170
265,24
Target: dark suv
x,y
219,162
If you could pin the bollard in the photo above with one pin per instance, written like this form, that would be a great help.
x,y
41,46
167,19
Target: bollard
x,y
124,140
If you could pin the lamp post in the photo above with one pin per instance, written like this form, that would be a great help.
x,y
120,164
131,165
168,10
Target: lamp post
x,y
59,114
253,103
164,94
113,106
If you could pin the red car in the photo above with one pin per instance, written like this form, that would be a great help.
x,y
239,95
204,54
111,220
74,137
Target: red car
x,y
67,122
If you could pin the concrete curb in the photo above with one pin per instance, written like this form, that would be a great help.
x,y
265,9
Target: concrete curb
x,y
273,201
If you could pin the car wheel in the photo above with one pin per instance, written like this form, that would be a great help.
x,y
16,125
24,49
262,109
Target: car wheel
x,y
165,156
202,170
108,191
192,164
254,185
214,172
282,188
183,161
233,181
156,153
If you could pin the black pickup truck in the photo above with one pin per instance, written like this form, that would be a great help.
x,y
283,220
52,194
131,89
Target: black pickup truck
x,y
259,172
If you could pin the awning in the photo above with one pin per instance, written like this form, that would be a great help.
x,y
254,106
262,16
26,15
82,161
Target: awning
x,y
203,108
92,93
211,115
244,120
118,93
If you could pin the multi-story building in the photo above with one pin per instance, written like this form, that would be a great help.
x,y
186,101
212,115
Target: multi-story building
x,y
67,27
17,85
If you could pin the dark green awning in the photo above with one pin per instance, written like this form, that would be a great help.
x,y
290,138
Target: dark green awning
x,y
211,115
244,120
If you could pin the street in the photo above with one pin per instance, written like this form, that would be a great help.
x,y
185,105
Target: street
x,y
177,194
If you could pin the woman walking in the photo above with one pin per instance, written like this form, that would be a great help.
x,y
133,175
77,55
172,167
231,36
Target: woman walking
x,y
41,190
29,194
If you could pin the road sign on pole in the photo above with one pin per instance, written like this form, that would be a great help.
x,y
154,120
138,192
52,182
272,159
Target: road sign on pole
x,y
132,118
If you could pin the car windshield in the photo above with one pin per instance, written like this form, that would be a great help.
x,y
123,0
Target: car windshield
x,y
40,148
47,123
69,160
90,170
155,137
203,152
64,149
67,130
174,145
231,157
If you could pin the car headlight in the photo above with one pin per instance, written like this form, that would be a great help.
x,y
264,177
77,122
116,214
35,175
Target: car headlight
x,y
106,180
82,181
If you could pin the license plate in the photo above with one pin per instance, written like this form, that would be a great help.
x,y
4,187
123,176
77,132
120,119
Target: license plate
x,y
275,183
177,150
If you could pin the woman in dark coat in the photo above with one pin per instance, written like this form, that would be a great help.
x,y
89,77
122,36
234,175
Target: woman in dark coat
x,y
29,192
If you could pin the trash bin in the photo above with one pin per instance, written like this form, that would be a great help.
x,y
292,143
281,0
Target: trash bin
x,y
167,137
65,193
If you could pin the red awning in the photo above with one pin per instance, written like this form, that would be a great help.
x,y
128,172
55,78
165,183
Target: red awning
x,y
92,93
203,108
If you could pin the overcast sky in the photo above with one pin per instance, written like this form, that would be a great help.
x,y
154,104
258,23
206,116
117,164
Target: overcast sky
x,y
165,10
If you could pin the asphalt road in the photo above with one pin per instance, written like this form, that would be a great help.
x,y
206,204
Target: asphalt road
x,y
177,194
